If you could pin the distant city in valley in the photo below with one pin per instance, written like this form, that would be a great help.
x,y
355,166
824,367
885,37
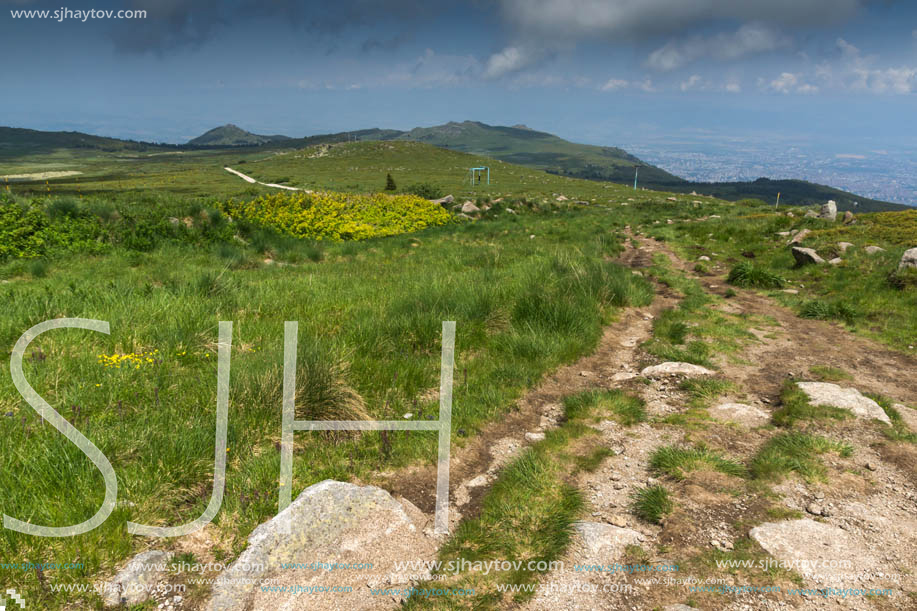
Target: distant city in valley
x,y
888,174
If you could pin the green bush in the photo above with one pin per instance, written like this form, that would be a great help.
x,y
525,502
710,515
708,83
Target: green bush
x,y
749,275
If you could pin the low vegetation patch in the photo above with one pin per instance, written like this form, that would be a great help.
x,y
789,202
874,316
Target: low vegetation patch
x,y
795,452
677,462
747,274
339,216
823,309
624,408
652,503
795,406
829,374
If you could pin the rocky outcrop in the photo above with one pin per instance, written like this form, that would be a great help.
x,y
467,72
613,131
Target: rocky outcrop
x,y
329,520
675,369
829,211
909,260
135,583
806,256
825,393
799,237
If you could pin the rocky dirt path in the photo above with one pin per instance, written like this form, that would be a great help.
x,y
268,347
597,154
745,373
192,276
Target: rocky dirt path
x,y
857,529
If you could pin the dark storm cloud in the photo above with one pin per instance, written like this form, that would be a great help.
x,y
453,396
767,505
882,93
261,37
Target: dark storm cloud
x,y
173,24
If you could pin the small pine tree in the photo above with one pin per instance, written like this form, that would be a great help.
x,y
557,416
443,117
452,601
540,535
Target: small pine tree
x,y
390,183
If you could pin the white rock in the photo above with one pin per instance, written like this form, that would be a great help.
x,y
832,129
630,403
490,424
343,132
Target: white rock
x,y
134,583
829,211
470,208
675,369
534,437
871,250
844,246
805,256
825,393
909,259
741,413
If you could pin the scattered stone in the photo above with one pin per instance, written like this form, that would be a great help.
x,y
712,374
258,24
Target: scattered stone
x,y
791,291
740,413
825,393
679,607
829,211
871,250
619,521
814,508
909,260
445,201
785,233
605,540
329,519
791,215
470,208
836,261
848,217
675,369
134,583
703,258
510,211
799,237
408,416
809,546
534,437
477,482
871,466
844,246
811,214
806,256
672,199
561,198
585,374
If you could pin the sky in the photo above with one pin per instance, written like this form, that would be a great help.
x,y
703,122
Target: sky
x,y
839,73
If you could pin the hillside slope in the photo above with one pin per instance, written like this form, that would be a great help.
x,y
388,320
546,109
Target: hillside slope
x,y
233,135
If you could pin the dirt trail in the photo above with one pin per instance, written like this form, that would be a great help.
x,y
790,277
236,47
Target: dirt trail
x,y
868,499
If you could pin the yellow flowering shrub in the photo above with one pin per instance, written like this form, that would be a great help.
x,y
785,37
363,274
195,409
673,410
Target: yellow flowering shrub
x,y
340,216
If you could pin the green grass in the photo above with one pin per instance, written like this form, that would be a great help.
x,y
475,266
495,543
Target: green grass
x,y
367,348
826,373
677,462
597,404
822,309
747,274
898,430
795,407
703,391
795,452
652,503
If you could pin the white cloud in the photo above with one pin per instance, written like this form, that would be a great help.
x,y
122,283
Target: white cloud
x,y
510,60
733,87
693,82
788,82
615,84
747,40
574,19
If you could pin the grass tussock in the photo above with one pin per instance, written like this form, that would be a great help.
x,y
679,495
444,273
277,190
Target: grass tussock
x,y
822,309
626,409
677,462
795,452
748,275
652,503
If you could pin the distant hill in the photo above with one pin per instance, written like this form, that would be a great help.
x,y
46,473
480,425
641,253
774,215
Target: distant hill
x,y
518,144
233,135
524,146
17,142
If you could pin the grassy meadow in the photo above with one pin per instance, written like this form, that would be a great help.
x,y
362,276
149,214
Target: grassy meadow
x,y
142,240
